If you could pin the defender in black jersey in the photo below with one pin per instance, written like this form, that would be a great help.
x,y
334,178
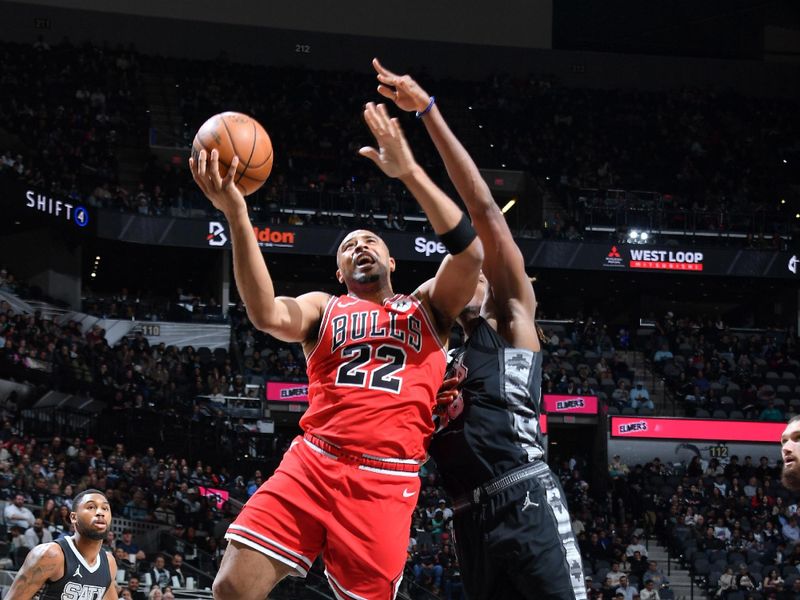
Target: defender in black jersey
x,y
73,567
512,527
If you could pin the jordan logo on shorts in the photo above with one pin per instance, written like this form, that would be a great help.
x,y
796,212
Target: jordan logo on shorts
x,y
528,502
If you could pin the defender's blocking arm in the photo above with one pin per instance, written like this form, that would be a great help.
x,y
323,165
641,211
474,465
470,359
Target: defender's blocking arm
x,y
457,276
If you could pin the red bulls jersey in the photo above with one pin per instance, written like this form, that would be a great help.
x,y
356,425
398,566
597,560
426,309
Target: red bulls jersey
x,y
373,377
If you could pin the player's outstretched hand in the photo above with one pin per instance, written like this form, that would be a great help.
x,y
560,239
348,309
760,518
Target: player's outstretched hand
x,y
222,191
400,89
449,402
393,155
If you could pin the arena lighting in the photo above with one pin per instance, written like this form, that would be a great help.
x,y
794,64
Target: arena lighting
x,y
638,237
508,205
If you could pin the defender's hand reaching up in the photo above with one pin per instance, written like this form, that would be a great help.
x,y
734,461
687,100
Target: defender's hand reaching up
x,y
400,89
222,191
393,155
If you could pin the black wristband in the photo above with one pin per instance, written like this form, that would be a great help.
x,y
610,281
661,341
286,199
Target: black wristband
x,y
459,237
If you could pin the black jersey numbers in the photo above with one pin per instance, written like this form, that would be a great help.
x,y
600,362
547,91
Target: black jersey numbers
x,y
351,373
355,371
384,377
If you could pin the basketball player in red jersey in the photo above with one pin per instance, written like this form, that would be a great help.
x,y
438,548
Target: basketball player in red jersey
x,y
348,486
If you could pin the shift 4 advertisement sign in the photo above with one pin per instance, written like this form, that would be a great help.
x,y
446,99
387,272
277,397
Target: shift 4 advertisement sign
x,y
60,209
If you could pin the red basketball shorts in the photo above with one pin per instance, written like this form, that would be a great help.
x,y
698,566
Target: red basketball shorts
x,y
357,513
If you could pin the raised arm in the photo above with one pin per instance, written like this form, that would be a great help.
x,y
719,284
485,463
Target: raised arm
x,y
289,319
457,277
513,298
44,563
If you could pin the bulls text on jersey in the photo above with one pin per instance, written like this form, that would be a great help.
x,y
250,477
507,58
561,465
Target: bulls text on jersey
x,y
364,326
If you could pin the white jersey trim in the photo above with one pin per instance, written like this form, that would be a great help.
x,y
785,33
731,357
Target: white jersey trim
x,y
80,558
429,324
389,472
259,548
338,586
322,324
269,541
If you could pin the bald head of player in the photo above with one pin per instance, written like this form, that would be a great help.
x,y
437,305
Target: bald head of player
x,y
363,260
790,453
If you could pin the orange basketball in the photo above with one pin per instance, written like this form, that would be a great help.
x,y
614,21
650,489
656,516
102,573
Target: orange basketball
x,y
236,134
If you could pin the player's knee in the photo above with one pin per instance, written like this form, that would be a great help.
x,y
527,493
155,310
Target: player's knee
x,y
225,587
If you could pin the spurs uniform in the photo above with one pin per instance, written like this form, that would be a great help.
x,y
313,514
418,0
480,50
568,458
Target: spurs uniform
x,y
348,486
512,526
81,581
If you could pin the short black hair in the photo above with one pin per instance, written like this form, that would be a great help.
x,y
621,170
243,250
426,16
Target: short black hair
x,y
76,501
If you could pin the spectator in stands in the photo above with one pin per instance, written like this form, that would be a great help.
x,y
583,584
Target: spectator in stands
x,y
663,353
615,574
129,546
37,534
650,592
771,582
133,588
744,580
16,513
159,574
626,589
770,412
617,469
18,547
427,572
726,583
635,546
638,565
640,397
656,575
751,489
791,531
177,570
124,564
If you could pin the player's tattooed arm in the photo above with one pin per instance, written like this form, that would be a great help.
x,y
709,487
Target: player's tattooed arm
x,y
111,592
44,563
